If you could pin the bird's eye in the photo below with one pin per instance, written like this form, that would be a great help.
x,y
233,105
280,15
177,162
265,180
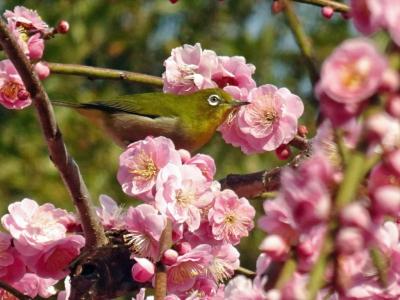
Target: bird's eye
x,y
214,100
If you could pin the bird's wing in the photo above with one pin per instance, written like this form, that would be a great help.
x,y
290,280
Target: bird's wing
x,y
146,105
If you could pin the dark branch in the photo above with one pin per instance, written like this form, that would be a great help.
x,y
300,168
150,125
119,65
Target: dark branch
x,y
13,291
66,166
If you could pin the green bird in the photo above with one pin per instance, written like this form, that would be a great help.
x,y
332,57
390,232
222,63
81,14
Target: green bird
x,y
189,120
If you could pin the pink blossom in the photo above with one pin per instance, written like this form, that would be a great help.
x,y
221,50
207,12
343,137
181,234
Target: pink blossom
x,y
182,191
183,274
13,94
295,288
308,247
53,261
338,113
35,47
224,263
234,71
392,161
27,18
384,187
42,70
143,270
355,214
275,246
306,191
278,219
145,226
393,106
109,213
204,288
269,121
34,227
203,235
366,19
231,217
12,267
188,69
33,285
350,240
242,288
353,72
383,129
141,162
169,257
205,163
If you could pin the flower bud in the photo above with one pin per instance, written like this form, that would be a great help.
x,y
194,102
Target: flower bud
x,y
393,106
283,152
23,94
355,214
63,27
387,200
277,7
169,257
302,130
42,70
327,12
390,81
275,246
183,248
143,270
349,240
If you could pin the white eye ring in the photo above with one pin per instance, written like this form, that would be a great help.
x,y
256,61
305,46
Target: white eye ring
x,y
214,100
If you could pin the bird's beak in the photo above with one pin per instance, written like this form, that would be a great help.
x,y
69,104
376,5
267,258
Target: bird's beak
x,y
237,103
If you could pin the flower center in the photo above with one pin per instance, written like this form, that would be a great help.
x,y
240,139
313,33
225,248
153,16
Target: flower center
x,y
184,198
187,72
10,89
138,243
185,271
230,219
355,74
270,116
145,168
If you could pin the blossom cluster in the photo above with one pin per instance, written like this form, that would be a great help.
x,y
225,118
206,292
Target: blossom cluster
x,y
28,29
37,248
270,120
207,222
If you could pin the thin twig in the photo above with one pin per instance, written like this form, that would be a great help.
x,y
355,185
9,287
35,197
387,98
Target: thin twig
x,y
255,184
66,166
13,291
302,40
337,6
103,73
246,272
161,273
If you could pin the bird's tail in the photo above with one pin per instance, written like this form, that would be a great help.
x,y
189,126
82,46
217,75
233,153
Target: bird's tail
x,y
66,104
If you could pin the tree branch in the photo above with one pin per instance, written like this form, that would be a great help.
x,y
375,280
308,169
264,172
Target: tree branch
x,y
103,73
66,166
161,273
302,40
254,184
337,6
13,291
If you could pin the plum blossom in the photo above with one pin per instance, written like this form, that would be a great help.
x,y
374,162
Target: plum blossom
x,y
27,18
233,71
53,261
371,15
32,285
224,263
13,94
231,217
143,270
182,191
205,163
269,121
145,226
141,162
12,267
182,275
109,213
29,28
188,69
353,72
242,288
34,227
